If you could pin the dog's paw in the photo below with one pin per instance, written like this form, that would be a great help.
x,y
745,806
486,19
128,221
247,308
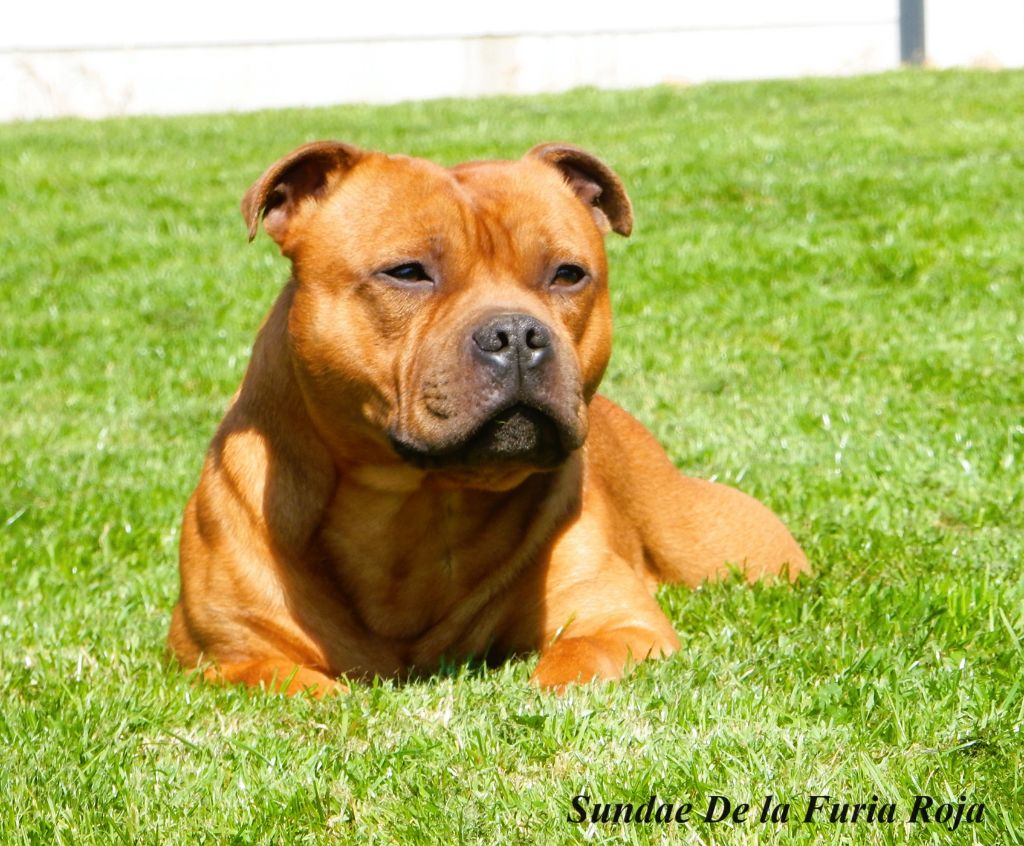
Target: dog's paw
x,y
277,676
575,660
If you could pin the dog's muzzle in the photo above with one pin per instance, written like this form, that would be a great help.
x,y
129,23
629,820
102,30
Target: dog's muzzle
x,y
523,415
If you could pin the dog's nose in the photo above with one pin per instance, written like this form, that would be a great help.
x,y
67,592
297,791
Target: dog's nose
x,y
510,340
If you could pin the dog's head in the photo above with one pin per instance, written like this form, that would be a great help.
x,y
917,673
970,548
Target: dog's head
x,y
457,319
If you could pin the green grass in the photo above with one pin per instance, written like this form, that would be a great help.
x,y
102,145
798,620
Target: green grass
x,y
822,303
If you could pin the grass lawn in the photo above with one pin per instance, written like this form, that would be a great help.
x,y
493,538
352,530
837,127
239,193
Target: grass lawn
x,y
821,303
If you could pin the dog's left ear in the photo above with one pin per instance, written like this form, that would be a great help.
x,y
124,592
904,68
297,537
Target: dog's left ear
x,y
596,184
305,173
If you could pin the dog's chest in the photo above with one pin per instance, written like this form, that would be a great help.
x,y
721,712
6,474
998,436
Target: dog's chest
x,y
408,563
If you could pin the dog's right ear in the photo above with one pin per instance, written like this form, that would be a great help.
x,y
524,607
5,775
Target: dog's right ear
x,y
305,174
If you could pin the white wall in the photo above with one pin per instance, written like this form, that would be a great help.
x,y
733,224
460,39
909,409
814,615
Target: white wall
x,y
110,57
980,33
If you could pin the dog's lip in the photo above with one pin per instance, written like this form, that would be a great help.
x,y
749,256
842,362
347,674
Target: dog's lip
x,y
427,457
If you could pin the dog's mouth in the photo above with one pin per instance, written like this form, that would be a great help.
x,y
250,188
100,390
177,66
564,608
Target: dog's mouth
x,y
519,435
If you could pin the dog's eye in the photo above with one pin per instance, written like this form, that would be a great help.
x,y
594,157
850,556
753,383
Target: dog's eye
x,y
411,271
568,275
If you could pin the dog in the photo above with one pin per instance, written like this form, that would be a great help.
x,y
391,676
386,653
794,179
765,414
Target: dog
x,y
417,467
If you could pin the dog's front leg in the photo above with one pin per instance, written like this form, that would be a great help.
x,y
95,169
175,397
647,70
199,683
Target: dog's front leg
x,y
594,613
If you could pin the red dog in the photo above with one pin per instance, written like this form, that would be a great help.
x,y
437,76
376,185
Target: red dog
x,y
417,464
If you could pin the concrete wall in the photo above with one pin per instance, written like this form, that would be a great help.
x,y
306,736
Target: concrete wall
x,y
112,57
980,33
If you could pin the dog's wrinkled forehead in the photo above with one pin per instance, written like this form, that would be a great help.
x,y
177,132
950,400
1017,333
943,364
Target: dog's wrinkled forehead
x,y
554,187
413,205
529,199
